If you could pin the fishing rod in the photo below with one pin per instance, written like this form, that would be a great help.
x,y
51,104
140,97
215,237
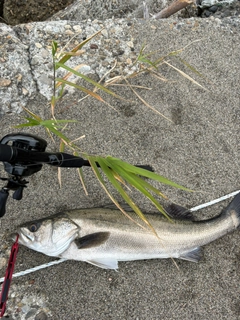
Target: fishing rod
x,y
23,155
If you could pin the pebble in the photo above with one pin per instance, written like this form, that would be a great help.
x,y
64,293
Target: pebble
x,y
24,91
85,69
129,61
213,9
207,13
25,309
104,33
69,32
130,44
93,46
3,262
31,313
38,45
45,53
5,82
41,316
77,28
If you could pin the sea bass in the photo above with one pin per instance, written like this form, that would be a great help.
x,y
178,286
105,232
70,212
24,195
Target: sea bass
x,y
104,236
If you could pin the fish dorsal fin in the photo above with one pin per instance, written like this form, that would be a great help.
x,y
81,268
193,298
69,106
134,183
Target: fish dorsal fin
x,y
92,240
194,255
178,212
104,263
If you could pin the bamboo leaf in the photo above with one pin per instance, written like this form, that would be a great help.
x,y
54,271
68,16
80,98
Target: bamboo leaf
x,y
67,56
144,60
55,123
147,185
96,84
104,166
54,48
135,181
99,177
145,173
31,122
93,94
69,74
59,134
32,114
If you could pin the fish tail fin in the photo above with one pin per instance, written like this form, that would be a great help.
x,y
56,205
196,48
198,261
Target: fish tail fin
x,y
234,209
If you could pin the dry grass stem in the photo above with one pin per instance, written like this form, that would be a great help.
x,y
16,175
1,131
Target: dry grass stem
x,y
185,75
147,104
173,8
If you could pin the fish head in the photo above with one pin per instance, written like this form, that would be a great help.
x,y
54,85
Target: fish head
x,y
51,235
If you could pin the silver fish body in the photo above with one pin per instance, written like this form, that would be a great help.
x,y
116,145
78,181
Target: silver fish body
x,y
103,236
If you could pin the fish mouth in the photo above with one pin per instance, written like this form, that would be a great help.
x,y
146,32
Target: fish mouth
x,y
25,237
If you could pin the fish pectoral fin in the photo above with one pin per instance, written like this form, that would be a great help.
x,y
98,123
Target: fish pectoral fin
x,y
92,240
104,263
194,255
177,212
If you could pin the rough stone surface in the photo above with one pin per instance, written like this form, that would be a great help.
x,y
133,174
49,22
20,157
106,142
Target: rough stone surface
x,y
198,148
110,48
16,83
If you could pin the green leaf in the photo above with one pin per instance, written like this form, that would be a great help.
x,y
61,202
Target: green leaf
x,y
31,122
93,94
54,48
55,123
92,161
145,173
109,173
66,56
59,134
136,182
32,114
96,84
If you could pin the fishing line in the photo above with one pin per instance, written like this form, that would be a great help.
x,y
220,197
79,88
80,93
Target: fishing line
x,y
52,263
42,266
210,203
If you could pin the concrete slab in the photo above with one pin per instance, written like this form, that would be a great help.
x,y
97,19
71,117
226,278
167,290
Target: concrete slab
x,y
199,149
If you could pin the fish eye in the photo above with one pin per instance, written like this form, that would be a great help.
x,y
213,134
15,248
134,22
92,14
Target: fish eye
x,y
33,228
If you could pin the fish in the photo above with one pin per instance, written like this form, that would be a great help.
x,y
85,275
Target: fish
x,y
104,236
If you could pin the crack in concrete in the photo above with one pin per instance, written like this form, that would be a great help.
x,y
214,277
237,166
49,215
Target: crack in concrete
x,y
21,38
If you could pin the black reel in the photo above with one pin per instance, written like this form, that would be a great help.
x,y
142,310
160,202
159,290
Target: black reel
x,y
18,169
26,142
